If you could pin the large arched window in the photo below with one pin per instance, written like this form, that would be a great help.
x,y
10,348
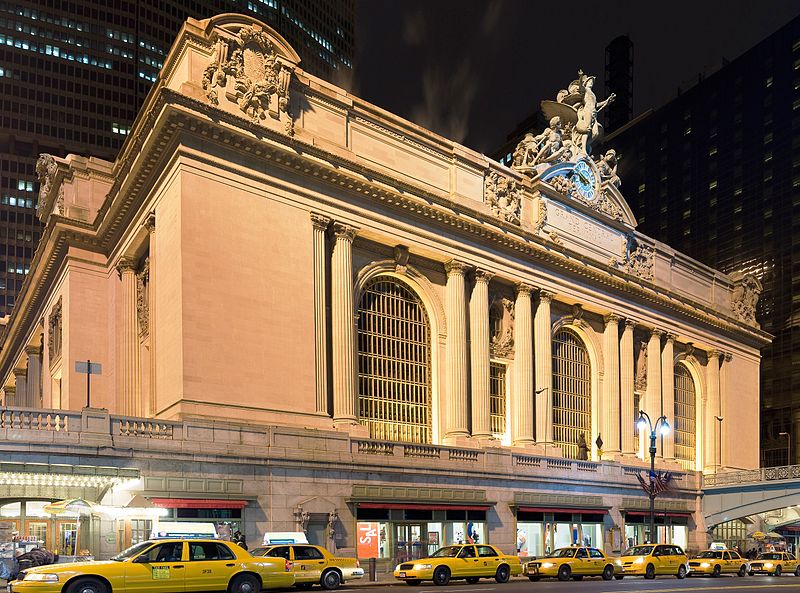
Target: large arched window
x,y
685,440
394,362
572,393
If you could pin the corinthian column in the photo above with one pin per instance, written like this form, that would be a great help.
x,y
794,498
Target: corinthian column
x,y
479,354
609,410
129,401
457,401
543,357
342,318
724,404
522,404
652,398
319,224
626,381
34,379
152,404
710,453
21,388
668,396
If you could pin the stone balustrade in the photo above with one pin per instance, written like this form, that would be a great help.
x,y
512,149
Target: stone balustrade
x,y
750,476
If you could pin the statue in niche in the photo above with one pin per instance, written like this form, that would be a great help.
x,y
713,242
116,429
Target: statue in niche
x,y
583,448
607,165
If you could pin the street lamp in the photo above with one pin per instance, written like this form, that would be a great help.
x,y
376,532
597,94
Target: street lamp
x,y
788,446
719,443
644,423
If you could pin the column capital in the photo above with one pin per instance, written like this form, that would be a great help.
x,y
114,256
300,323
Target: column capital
x,y
671,337
483,276
18,372
523,289
630,323
714,353
546,296
32,350
126,264
612,318
319,221
657,333
150,222
453,267
728,357
344,231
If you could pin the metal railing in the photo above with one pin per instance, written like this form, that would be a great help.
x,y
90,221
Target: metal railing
x,y
751,476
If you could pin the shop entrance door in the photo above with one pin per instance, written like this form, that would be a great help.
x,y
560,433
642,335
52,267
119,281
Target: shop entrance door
x,y
408,539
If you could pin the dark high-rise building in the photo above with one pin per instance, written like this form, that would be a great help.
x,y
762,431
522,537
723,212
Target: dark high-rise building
x,y
74,75
619,80
716,174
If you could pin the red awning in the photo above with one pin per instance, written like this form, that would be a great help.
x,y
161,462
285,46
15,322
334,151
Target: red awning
x,y
423,507
657,514
561,510
197,503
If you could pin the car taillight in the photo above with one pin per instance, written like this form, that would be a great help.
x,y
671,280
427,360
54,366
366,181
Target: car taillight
x,y
287,566
358,563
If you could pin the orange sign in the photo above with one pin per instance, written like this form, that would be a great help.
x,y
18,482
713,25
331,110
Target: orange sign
x,y
368,540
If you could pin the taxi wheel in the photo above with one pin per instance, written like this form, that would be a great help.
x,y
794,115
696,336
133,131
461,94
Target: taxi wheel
x,y
245,583
503,574
797,571
778,571
441,576
717,571
330,580
414,582
682,571
650,572
564,573
87,586
742,570
473,580
608,572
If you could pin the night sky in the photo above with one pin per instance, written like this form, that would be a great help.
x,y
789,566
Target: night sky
x,y
471,70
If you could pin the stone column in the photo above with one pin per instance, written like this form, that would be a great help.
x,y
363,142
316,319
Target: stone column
x,y
652,400
319,224
151,409
129,401
627,377
343,327
668,396
725,399
10,397
522,404
543,359
21,393
712,410
457,417
610,408
479,354
34,379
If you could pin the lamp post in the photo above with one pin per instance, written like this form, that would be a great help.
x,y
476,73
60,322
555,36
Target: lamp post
x,y
788,446
719,442
643,423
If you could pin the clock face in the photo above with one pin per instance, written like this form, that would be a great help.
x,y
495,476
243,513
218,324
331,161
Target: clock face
x,y
584,178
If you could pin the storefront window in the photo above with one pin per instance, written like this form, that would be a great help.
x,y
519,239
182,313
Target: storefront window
x,y
67,535
670,530
540,533
11,510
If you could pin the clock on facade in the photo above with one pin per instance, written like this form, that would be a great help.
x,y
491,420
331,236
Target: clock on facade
x,y
585,179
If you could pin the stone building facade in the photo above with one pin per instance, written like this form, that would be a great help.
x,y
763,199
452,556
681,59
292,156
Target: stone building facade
x,y
312,314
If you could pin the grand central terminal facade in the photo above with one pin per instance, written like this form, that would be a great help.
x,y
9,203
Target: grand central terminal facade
x,y
311,314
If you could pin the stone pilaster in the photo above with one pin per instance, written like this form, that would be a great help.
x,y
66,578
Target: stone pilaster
x,y
610,407
712,410
652,398
479,354
343,327
668,395
34,380
10,397
151,407
457,411
543,360
319,224
129,400
725,399
21,388
626,381
522,403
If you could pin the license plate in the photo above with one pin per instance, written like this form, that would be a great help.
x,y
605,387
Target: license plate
x,y
402,575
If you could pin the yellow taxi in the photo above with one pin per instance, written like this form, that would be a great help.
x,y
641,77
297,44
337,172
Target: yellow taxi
x,y
463,561
313,565
162,566
717,562
649,560
573,563
774,563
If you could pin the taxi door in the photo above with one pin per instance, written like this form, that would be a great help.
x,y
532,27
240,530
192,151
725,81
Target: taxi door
x,y
791,563
582,564
210,567
308,563
663,559
488,560
467,563
598,561
160,569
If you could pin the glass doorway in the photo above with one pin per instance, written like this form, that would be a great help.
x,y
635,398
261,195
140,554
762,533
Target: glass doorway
x,y
408,538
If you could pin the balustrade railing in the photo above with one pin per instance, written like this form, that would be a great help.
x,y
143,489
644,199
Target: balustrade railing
x,y
44,420
764,474
138,427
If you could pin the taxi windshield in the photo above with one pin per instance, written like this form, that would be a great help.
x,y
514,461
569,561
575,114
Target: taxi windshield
x,y
770,556
710,554
132,551
564,553
638,551
446,552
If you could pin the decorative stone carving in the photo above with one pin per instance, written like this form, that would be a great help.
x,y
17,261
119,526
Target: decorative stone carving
x,y
46,169
501,327
636,259
503,196
607,165
640,383
549,147
249,71
143,298
541,218
59,209
746,291
54,325
401,256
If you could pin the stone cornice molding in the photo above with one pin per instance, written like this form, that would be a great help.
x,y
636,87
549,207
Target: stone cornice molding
x,y
453,267
319,221
344,231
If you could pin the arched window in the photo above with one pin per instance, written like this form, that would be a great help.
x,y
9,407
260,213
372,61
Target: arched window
x,y
685,441
572,393
394,362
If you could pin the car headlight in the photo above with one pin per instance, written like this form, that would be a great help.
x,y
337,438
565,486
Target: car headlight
x,y
639,560
41,577
619,562
422,567
397,567
768,565
704,565
547,565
